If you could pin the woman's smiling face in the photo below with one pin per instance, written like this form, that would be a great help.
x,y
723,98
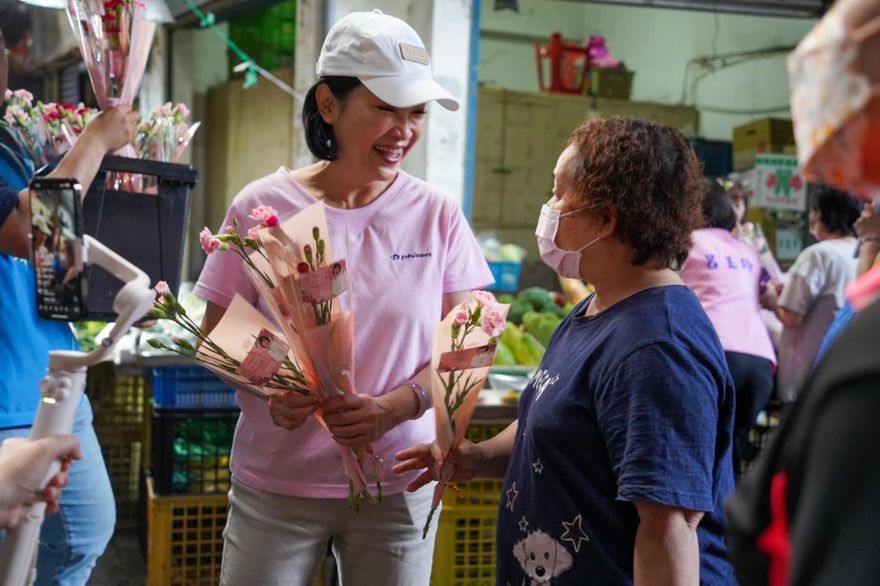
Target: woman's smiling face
x,y
372,137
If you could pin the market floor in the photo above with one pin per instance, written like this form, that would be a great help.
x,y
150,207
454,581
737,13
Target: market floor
x,y
122,563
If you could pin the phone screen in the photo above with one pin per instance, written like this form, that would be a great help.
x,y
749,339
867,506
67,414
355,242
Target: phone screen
x,y
56,239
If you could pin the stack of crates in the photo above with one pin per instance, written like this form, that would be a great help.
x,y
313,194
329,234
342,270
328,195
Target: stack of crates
x,y
464,554
192,423
120,401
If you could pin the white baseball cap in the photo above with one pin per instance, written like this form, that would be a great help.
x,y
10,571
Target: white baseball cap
x,y
386,55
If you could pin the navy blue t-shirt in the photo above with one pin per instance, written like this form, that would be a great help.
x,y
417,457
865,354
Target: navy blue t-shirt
x,y
634,404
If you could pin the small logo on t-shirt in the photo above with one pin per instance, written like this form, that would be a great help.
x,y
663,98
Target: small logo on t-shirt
x,y
542,381
410,256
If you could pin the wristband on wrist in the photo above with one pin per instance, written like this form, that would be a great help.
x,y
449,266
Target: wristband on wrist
x,y
874,239
423,398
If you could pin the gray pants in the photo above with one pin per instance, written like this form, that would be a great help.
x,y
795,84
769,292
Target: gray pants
x,y
276,540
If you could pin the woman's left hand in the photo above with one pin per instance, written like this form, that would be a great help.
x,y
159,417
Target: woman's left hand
x,y
357,419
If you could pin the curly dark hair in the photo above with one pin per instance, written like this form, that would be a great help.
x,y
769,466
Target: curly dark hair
x,y
649,174
838,210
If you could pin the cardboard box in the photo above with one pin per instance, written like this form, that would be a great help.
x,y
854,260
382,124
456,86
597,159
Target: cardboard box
x,y
766,135
611,83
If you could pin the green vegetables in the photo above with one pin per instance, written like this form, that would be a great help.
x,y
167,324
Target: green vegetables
x,y
533,317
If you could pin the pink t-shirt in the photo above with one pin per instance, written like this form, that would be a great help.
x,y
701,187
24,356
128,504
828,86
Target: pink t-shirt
x,y
407,248
725,273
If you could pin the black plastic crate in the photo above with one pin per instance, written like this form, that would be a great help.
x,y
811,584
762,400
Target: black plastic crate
x,y
147,229
716,156
190,450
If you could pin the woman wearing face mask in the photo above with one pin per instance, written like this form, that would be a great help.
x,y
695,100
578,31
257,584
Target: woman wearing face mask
x,y
289,494
815,290
620,458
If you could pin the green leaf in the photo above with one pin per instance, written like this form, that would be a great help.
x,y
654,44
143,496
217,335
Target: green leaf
x,y
155,343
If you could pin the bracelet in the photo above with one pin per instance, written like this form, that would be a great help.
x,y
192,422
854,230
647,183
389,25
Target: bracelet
x,y
423,398
875,239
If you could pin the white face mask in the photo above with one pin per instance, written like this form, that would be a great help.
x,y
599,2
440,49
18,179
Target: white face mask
x,y
566,263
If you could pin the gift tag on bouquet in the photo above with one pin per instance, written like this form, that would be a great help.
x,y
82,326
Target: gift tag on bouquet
x,y
467,359
264,358
323,283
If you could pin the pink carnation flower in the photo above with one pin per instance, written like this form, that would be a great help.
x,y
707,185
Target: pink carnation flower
x,y
228,229
162,289
492,321
262,214
462,316
23,94
484,298
271,221
254,233
207,240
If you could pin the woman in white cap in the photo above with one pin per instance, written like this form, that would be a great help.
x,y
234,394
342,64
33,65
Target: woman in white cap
x,y
413,257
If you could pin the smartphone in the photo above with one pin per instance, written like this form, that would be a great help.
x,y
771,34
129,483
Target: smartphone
x,y
56,248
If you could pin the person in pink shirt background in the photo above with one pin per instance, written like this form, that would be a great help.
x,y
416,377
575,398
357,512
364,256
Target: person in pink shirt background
x,y
411,258
724,272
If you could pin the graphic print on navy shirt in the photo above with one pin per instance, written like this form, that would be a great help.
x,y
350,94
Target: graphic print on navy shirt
x,y
634,404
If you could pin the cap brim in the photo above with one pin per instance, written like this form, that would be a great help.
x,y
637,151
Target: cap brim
x,y
405,92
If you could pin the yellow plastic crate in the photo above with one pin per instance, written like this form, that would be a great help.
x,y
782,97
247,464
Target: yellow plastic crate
x,y
464,554
184,538
119,396
123,453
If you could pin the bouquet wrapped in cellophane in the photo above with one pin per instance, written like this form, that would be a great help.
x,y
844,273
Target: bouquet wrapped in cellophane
x,y
45,131
463,353
114,38
308,346
165,134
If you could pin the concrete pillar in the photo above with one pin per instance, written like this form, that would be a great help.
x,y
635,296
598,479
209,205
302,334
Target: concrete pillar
x,y
310,30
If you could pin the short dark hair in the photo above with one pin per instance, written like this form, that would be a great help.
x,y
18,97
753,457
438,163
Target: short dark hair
x,y
838,209
650,175
15,20
718,207
319,134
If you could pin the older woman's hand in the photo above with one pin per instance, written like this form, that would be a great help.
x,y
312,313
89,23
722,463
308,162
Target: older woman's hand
x,y
464,459
290,410
358,419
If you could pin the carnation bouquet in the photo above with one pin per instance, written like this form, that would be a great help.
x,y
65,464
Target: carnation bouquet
x,y
464,350
165,134
44,131
307,292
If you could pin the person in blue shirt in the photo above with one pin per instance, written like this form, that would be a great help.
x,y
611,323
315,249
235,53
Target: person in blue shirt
x,y
617,466
72,541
